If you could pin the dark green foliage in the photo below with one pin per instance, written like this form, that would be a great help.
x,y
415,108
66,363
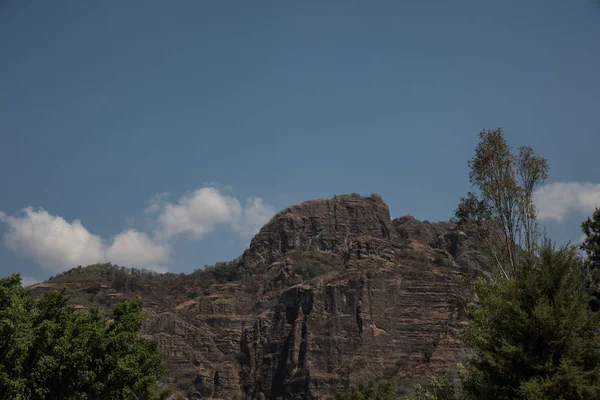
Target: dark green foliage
x,y
309,271
438,388
309,265
226,272
103,273
48,350
591,247
221,272
119,278
346,256
441,260
535,336
96,283
267,287
370,391
157,393
591,243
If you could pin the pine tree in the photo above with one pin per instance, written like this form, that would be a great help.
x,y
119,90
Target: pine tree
x,y
591,247
591,243
535,336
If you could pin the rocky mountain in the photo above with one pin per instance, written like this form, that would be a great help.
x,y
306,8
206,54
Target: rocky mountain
x,y
329,294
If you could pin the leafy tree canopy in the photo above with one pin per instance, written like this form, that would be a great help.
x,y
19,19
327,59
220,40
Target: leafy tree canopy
x,y
438,388
591,244
49,350
502,215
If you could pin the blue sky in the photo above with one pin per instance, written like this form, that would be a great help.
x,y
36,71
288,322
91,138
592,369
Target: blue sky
x,y
163,134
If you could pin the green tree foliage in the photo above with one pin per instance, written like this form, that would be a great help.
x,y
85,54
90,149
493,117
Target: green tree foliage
x,y
591,243
438,388
535,336
591,247
502,216
49,350
370,391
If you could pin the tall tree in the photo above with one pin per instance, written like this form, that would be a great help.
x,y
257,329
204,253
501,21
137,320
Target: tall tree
x,y
49,350
535,336
591,242
591,247
502,215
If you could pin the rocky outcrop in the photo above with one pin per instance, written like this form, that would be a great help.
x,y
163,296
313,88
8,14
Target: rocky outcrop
x,y
329,294
334,225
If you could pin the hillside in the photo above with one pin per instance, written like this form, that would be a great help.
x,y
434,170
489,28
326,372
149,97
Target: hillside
x,y
330,293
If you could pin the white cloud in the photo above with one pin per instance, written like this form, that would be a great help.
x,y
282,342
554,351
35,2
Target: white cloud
x,y
136,249
255,215
57,245
28,281
202,210
51,241
157,201
555,200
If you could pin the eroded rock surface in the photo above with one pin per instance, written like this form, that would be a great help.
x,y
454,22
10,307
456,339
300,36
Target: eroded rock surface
x,y
330,293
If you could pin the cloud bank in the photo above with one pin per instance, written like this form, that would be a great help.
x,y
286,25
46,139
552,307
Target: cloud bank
x,y
57,245
198,213
201,211
28,281
253,217
555,201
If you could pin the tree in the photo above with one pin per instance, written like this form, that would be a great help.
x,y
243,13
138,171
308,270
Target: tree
x,y
591,247
49,350
502,216
438,388
535,336
591,243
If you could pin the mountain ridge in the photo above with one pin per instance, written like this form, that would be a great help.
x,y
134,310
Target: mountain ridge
x,y
325,288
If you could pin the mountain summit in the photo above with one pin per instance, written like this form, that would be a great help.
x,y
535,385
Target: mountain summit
x,y
329,294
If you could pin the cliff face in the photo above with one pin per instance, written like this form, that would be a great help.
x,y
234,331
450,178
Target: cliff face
x,y
334,225
330,293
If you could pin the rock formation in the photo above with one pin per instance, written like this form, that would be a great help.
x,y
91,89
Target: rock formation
x,y
329,294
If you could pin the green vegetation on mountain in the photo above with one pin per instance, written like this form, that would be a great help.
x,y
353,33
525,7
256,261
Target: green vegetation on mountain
x,y
437,388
